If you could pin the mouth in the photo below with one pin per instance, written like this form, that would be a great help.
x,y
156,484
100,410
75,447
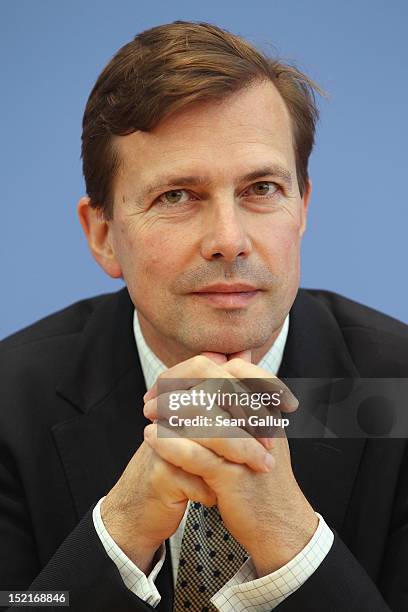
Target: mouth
x,y
238,295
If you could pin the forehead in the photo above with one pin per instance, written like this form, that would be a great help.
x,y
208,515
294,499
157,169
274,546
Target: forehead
x,y
248,128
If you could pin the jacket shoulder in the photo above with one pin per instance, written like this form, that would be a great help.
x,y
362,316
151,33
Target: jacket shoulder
x,y
378,343
33,361
37,356
67,321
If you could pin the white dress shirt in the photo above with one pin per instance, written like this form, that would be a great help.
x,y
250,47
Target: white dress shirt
x,y
244,591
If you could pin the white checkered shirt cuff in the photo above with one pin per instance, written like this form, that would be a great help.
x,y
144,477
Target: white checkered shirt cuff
x,y
245,591
141,585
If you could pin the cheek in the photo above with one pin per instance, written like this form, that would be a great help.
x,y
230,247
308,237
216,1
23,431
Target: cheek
x,y
282,246
158,256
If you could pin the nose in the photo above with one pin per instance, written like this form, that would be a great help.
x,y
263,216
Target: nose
x,y
225,236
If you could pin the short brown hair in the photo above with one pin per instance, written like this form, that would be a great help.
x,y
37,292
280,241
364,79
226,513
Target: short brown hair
x,y
169,67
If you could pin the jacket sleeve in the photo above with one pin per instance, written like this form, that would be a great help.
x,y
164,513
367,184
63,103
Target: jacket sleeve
x,y
339,584
80,565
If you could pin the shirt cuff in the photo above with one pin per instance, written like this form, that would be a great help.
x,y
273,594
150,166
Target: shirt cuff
x,y
245,591
141,585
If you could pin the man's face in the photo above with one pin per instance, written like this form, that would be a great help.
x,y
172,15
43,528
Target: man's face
x,y
173,238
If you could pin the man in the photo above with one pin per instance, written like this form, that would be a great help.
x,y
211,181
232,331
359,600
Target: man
x,y
195,151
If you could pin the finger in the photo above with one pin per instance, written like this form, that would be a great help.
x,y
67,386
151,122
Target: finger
x,y
181,399
181,485
248,403
192,371
164,406
268,443
231,443
151,412
215,357
196,489
191,456
161,406
259,380
245,355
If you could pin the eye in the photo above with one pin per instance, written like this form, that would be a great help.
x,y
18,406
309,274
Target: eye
x,y
268,185
170,198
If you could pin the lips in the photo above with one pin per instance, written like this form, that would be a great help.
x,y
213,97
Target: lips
x,y
225,288
237,295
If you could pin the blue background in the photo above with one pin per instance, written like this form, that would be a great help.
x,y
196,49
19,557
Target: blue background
x,y
51,54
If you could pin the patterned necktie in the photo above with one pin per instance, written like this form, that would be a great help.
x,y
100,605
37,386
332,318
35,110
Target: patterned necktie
x,y
209,557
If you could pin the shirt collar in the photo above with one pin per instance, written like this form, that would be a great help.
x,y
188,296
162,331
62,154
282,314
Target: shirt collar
x,y
152,366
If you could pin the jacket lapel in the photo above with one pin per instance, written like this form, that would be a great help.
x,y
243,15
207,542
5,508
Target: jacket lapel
x,y
106,386
325,466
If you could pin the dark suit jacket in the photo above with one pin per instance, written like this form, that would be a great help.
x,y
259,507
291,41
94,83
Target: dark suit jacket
x,y
71,418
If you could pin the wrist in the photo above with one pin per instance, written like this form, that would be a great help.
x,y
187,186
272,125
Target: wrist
x,y
283,545
137,547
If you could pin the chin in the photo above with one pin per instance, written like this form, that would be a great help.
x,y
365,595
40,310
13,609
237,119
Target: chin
x,y
225,349
226,344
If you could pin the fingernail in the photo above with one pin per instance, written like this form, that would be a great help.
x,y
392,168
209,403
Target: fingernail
x,y
269,462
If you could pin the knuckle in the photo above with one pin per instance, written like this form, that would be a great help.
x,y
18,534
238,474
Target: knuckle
x,y
217,466
213,469
192,454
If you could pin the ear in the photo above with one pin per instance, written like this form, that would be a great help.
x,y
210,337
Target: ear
x,y
305,206
98,232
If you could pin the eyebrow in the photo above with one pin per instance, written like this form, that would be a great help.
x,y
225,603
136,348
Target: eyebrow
x,y
173,180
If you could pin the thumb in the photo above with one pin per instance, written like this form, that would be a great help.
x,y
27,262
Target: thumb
x,y
216,357
245,355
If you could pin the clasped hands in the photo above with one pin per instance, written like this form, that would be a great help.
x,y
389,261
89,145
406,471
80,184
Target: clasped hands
x,y
249,479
